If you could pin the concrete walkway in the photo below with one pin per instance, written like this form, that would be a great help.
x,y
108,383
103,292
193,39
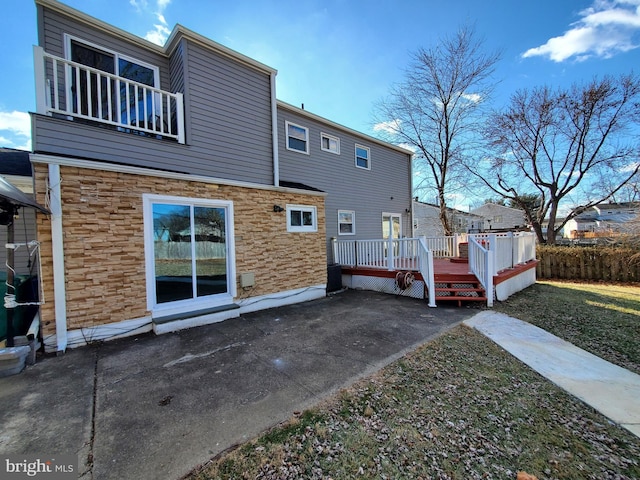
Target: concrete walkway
x,y
612,390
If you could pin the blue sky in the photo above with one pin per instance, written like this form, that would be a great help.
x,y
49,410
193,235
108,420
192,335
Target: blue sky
x,y
339,57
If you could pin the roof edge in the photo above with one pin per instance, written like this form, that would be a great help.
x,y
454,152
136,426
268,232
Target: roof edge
x,y
177,32
313,116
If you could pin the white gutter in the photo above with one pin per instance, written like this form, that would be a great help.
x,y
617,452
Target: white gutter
x,y
59,289
274,131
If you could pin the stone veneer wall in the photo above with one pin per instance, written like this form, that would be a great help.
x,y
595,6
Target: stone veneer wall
x,y
102,217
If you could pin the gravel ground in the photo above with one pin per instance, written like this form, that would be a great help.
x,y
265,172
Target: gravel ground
x,y
459,407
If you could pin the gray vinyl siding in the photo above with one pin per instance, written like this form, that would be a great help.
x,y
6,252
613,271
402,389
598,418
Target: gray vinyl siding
x,y
367,192
24,230
227,112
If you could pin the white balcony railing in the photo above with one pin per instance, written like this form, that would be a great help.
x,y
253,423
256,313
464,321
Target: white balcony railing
x,y
73,90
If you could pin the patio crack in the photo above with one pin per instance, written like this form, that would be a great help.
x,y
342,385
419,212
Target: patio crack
x,y
88,473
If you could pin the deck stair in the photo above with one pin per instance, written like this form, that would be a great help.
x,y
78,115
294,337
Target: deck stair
x,y
457,284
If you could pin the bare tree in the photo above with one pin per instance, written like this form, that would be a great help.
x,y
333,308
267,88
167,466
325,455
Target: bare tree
x,y
435,110
559,145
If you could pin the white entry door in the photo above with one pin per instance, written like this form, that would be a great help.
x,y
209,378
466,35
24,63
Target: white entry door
x,y
391,222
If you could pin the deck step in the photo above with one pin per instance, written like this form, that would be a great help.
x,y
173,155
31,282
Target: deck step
x,y
461,299
459,288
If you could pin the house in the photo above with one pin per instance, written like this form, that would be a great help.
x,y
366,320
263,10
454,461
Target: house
x,y
604,219
500,218
426,220
16,169
182,192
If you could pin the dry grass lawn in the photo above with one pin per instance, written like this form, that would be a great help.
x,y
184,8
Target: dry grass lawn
x,y
460,407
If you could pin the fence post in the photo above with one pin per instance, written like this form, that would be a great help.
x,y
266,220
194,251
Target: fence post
x,y
493,249
334,250
390,252
513,243
489,279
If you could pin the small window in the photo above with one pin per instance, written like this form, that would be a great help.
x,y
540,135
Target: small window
x,y
363,157
297,138
346,222
301,218
329,143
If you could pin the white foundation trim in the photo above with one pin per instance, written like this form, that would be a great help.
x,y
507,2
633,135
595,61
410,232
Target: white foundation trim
x,y
281,299
109,331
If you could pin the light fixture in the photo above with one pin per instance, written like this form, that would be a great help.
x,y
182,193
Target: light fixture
x,y
278,208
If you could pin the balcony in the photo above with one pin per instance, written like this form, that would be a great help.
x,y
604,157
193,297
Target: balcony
x,y
70,90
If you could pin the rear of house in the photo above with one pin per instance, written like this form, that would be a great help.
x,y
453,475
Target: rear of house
x,y
181,191
158,165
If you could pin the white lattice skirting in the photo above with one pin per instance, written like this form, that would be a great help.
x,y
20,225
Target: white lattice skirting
x,y
384,285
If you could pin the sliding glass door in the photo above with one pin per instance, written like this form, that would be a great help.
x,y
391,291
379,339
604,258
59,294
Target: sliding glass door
x,y
190,256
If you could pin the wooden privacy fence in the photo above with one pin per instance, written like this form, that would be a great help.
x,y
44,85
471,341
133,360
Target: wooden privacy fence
x,y
588,263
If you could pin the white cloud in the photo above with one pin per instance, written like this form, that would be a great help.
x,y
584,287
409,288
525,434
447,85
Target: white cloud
x,y
160,31
390,127
472,97
16,122
606,28
408,146
16,130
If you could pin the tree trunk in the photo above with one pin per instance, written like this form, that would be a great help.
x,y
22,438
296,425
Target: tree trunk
x,y
444,219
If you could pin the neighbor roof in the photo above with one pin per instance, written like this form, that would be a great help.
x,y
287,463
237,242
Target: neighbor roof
x,y
14,162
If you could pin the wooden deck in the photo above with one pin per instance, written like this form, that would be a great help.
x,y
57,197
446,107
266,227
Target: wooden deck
x,y
453,280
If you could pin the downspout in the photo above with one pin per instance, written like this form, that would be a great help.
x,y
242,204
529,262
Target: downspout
x,y
57,247
274,131
411,213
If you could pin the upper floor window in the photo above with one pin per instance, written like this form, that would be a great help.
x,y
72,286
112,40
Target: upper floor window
x,y
346,222
101,96
297,138
301,218
363,157
329,143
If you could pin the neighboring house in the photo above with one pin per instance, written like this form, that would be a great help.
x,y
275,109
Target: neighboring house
x,y
181,191
426,220
16,169
603,219
500,218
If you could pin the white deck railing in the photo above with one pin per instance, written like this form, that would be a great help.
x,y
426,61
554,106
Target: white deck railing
x,y
443,247
394,254
509,249
482,266
489,254
425,265
74,90
389,254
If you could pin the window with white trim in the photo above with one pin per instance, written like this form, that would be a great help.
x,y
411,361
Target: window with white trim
x,y
301,218
297,137
346,222
329,143
189,252
363,157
